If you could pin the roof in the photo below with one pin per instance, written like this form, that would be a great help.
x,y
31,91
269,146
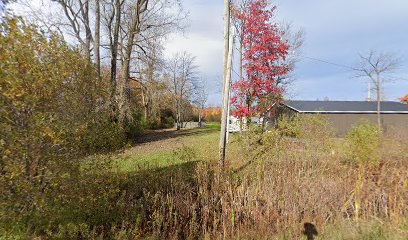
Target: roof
x,y
345,107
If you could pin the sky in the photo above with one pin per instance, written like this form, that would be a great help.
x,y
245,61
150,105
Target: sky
x,y
336,31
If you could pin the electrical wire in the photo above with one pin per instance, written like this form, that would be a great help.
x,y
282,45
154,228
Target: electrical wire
x,y
327,62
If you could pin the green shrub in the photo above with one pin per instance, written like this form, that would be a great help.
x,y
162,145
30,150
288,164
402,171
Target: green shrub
x,y
168,122
102,136
362,144
135,127
289,126
153,124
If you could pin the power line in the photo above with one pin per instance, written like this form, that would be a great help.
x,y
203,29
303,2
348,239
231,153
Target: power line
x,y
348,67
233,70
327,62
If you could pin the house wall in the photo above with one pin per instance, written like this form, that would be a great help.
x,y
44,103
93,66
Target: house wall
x,y
342,123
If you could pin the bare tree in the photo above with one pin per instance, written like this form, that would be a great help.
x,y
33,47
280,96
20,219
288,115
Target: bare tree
x,y
133,27
376,67
3,5
295,38
182,73
200,98
111,15
238,7
77,14
126,28
144,22
148,70
97,38
130,26
71,18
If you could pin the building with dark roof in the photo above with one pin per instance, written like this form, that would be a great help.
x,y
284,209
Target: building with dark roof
x,y
342,115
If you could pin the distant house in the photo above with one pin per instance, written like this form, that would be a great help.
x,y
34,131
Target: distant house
x,y
235,125
342,115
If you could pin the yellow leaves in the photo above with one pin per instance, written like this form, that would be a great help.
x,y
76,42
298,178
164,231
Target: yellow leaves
x,y
14,93
13,175
50,134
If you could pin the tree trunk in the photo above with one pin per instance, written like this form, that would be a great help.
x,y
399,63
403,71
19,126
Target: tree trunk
x,y
263,124
114,50
148,96
123,88
97,38
147,103
123,91
199,118
178,117
88,33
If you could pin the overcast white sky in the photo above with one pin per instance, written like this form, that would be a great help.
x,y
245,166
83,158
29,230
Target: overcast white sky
x,y
336,31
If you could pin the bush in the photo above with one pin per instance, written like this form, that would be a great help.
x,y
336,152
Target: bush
x,y
54,110
289,126
362,144
168,122
167,118
102,136
135,127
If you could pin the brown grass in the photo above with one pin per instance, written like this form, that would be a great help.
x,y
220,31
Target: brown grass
x,y
287,181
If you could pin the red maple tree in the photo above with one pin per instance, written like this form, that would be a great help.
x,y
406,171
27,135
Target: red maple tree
x,y
264,52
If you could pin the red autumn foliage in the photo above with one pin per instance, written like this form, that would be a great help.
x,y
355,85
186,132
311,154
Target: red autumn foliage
x,y
404,99
264,52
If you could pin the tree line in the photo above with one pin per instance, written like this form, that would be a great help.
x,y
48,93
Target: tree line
x,y
126,38
85,82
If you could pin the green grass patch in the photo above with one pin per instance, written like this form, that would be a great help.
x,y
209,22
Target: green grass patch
x,y
192,144
213,126
187,145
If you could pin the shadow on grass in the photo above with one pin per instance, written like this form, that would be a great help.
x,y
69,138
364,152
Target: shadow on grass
x,y
105,201
153,136
160,180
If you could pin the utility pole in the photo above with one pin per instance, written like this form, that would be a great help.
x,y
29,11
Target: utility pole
x,y
228,117
225,103
229,89
228,42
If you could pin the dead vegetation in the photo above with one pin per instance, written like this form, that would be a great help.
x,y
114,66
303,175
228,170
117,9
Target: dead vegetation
x,y
298,181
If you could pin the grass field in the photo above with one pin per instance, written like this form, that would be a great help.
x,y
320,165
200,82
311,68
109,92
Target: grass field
x,y
168,148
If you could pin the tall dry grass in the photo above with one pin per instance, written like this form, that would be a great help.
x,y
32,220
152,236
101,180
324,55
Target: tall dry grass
x,y
295,174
